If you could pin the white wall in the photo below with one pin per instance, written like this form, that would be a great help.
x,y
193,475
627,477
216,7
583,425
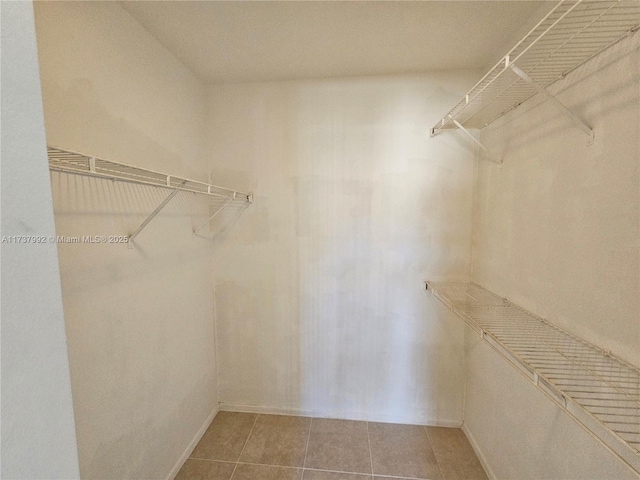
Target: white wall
x,y
139,322
38,436
557,231
319,297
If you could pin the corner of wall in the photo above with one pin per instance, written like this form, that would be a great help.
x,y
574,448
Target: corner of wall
x,y
476,448
192,445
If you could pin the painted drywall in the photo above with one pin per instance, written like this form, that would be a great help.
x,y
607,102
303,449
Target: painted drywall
x,y
139,322
38,435
557,231
319,292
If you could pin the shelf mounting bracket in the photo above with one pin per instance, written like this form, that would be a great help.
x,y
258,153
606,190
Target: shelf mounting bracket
x,y
489,156
561,106
152,215
226,202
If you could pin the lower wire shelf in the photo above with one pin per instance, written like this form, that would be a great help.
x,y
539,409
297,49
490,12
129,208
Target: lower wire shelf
x,y
599,390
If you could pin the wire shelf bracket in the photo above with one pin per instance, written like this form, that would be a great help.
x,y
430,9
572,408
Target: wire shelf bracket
x,y
597,389
572,33
151,217
578,122
226,202
489,155
67,161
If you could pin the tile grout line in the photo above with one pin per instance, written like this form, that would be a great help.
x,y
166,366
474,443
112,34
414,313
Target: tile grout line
x,y
399,478
213,460
374,476
370,453
244,446
300,468
306,449
434,452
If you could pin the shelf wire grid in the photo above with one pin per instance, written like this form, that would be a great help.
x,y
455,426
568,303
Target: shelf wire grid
x,y
77,163
605,389
572,33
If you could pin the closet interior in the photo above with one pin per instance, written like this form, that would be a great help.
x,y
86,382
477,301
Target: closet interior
x,y
321,240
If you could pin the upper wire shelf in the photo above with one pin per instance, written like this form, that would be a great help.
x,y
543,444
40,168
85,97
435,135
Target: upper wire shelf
x,y
72,162
573,32
67,161
599,390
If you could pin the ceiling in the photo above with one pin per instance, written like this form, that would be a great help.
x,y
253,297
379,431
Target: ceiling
x,y
246,41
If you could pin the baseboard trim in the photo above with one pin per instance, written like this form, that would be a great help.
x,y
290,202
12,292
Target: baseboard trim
x,y
414,419
479,454
192,445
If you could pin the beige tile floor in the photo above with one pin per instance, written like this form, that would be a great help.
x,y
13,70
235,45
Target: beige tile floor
x,y
247,446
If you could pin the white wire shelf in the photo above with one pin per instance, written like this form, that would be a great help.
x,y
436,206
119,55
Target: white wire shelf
x,y
599,390
573,32
72,162
66,161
